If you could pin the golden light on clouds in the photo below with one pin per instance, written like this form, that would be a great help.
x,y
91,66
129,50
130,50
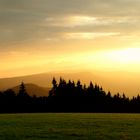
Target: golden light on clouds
x,y
72,21
81,20
88,35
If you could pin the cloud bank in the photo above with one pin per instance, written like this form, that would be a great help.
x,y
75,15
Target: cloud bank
x,y
29,20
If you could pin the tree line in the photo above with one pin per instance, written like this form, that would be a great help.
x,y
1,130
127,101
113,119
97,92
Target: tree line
x,y
68,96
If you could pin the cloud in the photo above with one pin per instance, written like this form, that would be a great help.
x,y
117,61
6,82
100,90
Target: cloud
x,y
85,20
28,20
71,21
88,35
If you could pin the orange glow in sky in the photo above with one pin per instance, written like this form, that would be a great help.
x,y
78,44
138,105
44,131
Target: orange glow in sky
x,y
67,36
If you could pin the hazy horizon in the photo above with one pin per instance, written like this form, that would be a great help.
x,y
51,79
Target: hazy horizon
x,y
114,83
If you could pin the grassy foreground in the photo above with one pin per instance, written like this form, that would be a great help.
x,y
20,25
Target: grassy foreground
x,y
69,126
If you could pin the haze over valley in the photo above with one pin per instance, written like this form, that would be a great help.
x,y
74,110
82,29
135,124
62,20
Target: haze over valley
x,y
128,83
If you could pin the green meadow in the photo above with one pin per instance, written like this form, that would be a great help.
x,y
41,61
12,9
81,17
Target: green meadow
x,y
69,126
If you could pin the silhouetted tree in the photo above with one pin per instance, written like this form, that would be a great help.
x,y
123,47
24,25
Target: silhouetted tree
x,y
66,96
23,99
53,90
22,91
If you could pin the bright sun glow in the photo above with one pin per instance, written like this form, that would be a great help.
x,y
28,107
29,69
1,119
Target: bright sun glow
x,y
128,55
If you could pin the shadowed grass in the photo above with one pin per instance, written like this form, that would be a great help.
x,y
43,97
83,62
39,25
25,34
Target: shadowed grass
x,y
69,126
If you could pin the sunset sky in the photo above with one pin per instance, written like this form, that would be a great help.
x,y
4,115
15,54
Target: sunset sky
x,y
69,35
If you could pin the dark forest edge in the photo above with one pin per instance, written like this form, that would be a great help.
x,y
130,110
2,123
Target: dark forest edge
x,y
68,97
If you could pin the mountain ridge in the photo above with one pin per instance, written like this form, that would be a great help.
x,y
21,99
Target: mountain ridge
x,y
122,82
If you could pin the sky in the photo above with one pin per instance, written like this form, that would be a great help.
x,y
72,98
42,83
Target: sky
x,y
69,35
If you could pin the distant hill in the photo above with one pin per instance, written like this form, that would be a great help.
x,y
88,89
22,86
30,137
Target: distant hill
x,y
41,83
44,79
33,89
117,81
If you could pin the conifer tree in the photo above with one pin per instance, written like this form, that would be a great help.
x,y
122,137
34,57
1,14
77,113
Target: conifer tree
x,y
22,91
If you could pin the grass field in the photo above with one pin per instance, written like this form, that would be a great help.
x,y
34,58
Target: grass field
x,y
69,126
